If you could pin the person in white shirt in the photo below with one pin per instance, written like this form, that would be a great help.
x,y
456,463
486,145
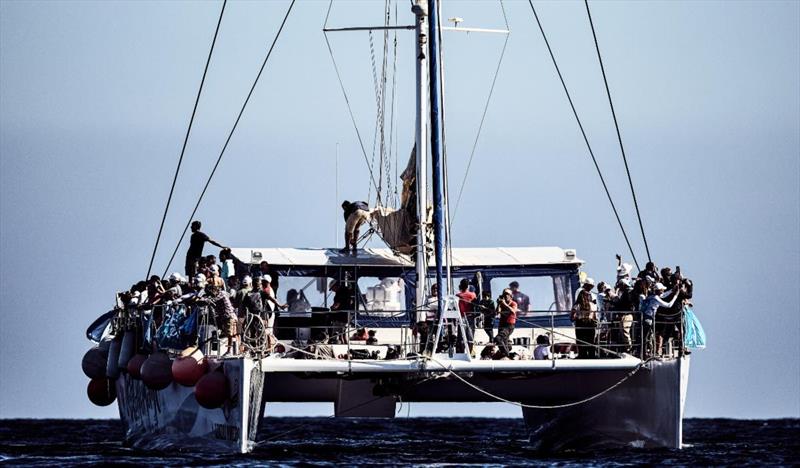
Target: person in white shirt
x,y
542,350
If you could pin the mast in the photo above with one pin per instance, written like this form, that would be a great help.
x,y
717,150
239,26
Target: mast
x,y
421,136
436,155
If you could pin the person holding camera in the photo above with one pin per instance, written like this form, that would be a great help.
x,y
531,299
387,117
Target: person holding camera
x,y
507,308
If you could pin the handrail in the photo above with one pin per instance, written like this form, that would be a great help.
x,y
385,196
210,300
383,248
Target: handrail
x,y
616,333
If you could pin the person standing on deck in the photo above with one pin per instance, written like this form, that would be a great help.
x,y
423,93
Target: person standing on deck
x,y
355,214
584,315
195,252
466,307
507,309
522,299
488,311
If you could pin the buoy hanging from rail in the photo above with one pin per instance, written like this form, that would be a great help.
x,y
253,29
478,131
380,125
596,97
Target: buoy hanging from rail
x,y
94,362
211,390
101,391
190,367
135,365
156,371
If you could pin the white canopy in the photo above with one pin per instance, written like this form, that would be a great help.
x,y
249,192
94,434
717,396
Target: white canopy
x,y
462,257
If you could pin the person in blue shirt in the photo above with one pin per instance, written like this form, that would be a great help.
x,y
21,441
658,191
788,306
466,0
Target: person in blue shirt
x,y
650,305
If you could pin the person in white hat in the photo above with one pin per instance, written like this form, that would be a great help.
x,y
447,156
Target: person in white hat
x,y
584,316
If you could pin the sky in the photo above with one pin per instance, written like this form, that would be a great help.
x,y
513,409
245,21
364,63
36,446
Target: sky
x,y
95,98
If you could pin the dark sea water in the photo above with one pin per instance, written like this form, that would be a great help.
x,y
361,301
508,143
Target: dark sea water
x,y
420,441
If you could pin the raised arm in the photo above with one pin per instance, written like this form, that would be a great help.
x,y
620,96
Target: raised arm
x,y
212,241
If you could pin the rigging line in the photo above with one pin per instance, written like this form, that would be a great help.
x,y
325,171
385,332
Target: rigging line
x,y
392,141
583,132
627,376
616,126
347,101
185,140
483,117
230,135
480,128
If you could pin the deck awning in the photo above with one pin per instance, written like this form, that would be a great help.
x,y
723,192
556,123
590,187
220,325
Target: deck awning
x,y
462,257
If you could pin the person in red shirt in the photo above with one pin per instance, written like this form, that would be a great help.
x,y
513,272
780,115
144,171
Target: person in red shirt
x,y
466,299
507,309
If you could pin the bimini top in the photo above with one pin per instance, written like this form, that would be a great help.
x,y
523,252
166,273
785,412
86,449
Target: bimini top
x,y
462,257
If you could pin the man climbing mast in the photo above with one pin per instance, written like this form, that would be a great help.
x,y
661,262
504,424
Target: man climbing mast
x,y
355,214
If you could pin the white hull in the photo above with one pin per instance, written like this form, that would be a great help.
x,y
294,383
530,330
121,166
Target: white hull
x,y
172,418
646,410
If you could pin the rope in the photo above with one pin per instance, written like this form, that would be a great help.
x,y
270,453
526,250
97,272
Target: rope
x,y
483,116
616,126
583,132
230,135
347,100
525,405
185,141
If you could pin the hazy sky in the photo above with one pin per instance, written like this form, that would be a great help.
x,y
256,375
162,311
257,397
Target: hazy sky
x,y
95,98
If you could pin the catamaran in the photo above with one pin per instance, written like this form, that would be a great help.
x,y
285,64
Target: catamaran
x,y
178,383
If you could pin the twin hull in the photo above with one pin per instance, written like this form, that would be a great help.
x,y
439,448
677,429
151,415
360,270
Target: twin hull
x,y
645,410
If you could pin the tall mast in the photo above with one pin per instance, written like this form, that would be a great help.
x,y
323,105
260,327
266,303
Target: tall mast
x,y
420,10
436,155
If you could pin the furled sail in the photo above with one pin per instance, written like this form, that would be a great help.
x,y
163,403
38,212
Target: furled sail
x,y
398,227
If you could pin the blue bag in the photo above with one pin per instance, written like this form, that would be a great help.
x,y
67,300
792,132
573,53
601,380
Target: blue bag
x,y
693,334
169,334
189,327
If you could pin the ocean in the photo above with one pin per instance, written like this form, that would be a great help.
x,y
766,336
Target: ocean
x,y
402,441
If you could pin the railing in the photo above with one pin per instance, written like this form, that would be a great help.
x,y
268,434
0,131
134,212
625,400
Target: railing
x,y
332,334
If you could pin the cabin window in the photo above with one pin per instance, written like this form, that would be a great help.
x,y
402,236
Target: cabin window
x,y
301,293
537,293
382,294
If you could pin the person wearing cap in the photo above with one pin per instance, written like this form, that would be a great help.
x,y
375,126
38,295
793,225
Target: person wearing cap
x,y
355,214
625,302
507,309
245,289
265,270
195,252
584,316
623,270
522,299
649,307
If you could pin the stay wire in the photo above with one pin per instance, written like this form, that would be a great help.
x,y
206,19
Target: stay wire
x,y
483,116
583,132
616,126
230,135
185,141
347,101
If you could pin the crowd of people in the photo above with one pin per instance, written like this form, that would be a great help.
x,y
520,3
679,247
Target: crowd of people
x,y
603,318
607,316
